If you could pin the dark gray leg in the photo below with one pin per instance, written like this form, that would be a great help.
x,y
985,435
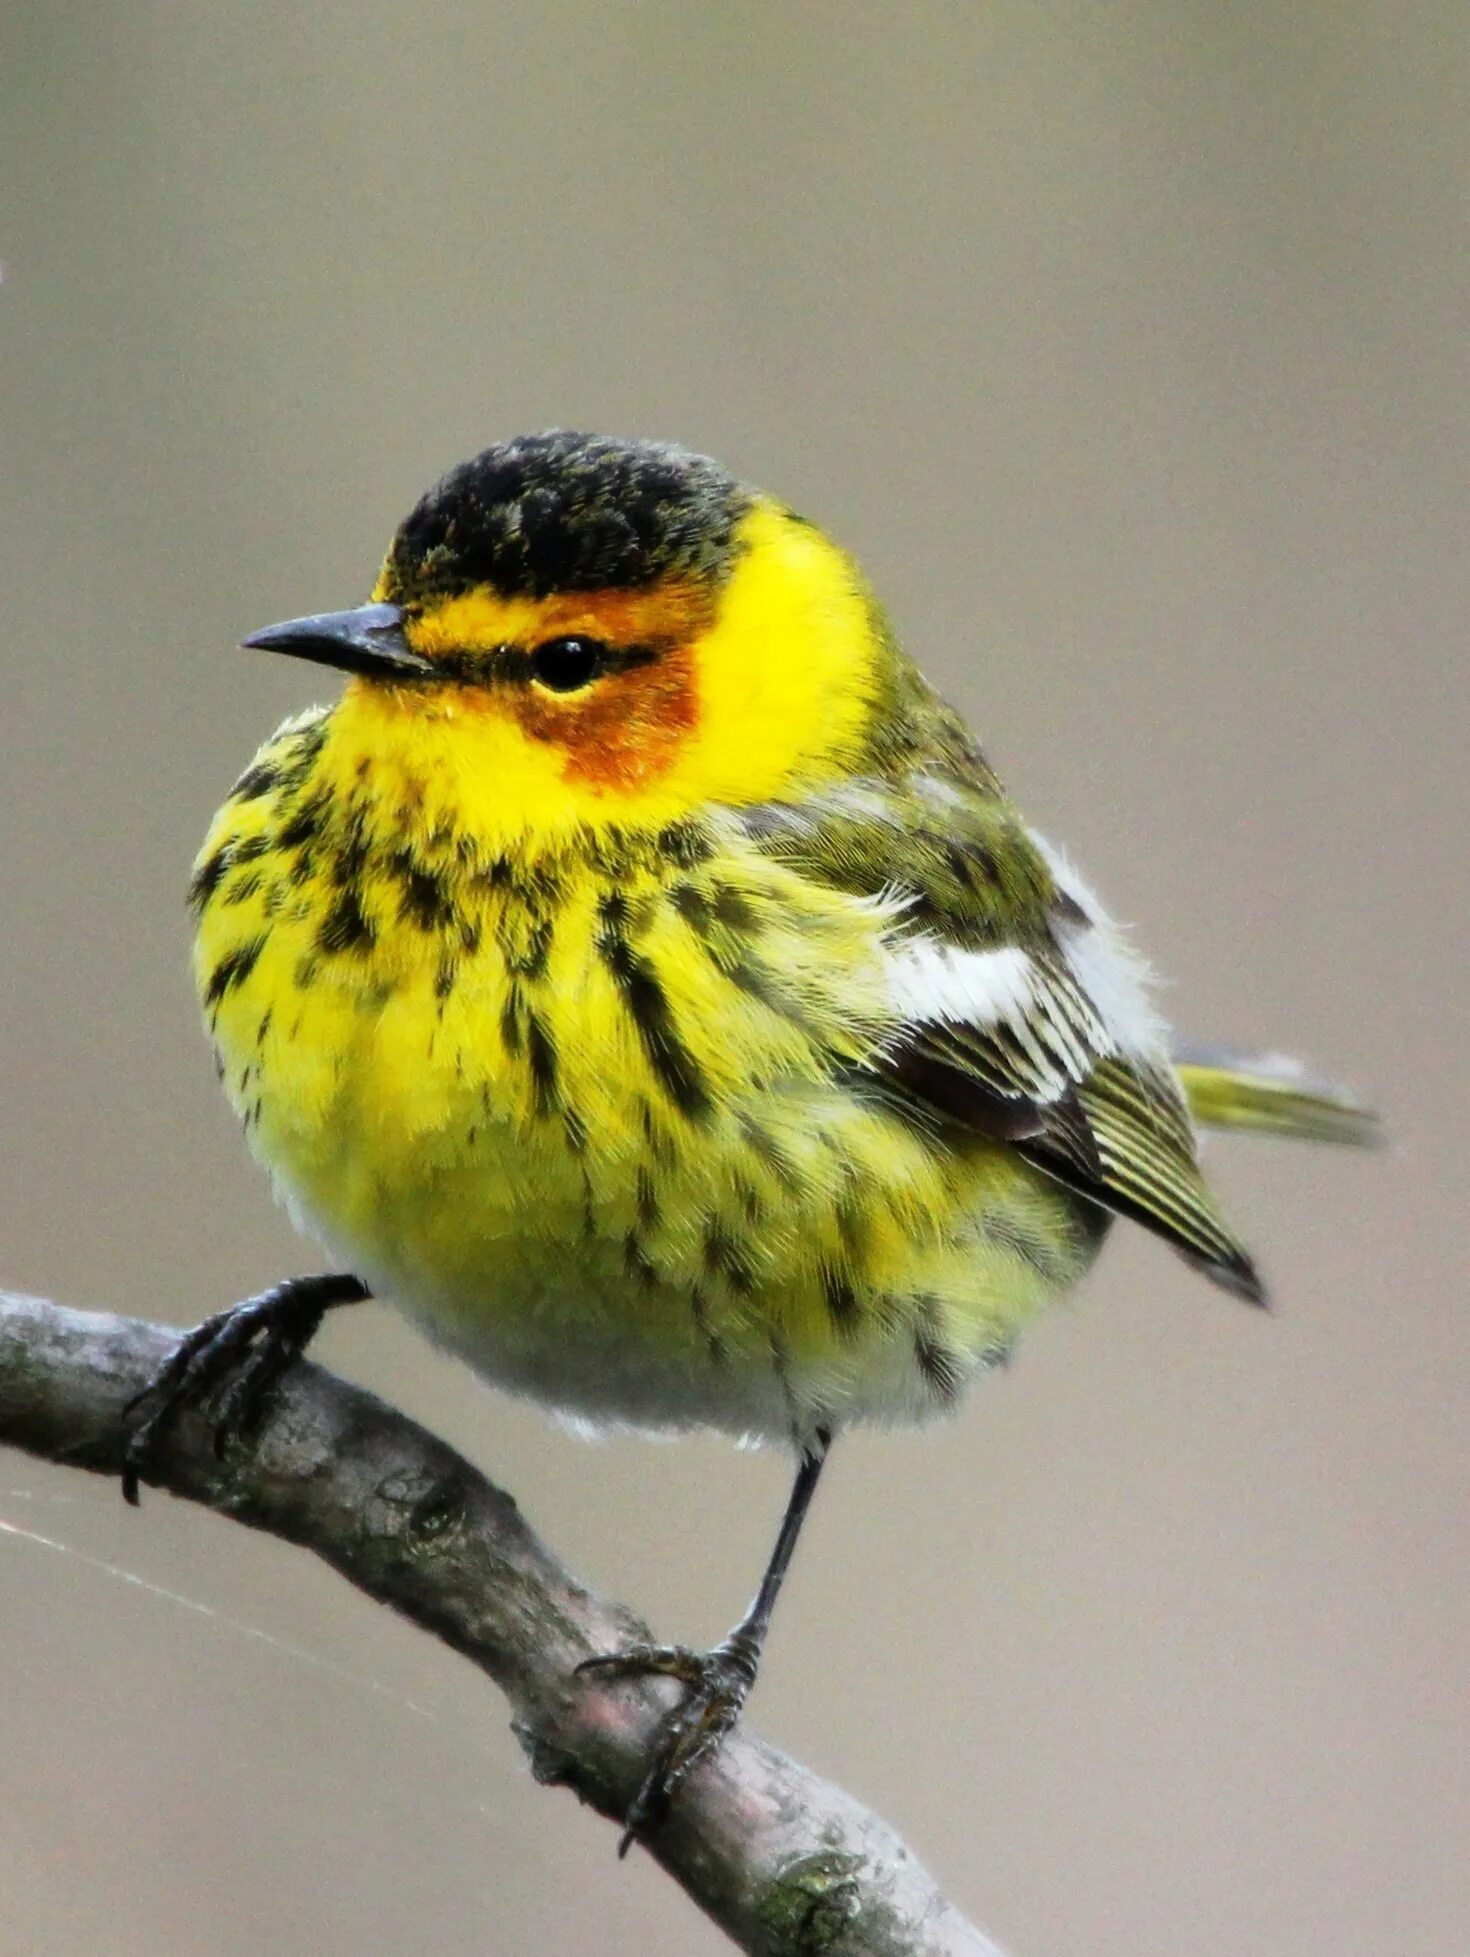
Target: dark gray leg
x,y
719,1681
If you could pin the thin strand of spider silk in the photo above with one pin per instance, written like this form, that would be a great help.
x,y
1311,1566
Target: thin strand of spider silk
x,y
300,1653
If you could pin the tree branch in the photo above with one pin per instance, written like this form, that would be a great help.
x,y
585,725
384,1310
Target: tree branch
x,y
785,1863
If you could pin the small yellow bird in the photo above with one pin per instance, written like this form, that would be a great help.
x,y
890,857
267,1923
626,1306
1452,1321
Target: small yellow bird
x,y
640,975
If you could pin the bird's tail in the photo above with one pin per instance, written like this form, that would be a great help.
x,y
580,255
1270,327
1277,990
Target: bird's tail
x,y
1269,1094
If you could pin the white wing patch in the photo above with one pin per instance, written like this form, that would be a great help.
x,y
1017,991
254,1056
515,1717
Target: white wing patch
x,y
1045,1017
1042,1034
930,980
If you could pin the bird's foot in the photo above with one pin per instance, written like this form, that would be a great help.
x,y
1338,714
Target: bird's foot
x,y
717,1684
256,1341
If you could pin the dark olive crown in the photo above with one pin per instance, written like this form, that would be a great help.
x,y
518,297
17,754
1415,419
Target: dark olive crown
x,y
564,511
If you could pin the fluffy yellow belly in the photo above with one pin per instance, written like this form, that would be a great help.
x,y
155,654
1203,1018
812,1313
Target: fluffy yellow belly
x,y
713,1218
801,1261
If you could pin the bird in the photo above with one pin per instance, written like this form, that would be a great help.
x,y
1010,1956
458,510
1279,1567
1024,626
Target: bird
x,y
640,975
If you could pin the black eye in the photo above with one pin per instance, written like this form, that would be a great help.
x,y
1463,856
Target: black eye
x,y
567,664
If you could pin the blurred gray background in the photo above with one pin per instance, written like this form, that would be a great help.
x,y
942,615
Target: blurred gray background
x,y
1127,346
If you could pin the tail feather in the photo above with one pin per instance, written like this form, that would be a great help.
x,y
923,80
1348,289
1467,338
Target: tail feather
x,y
1269,1094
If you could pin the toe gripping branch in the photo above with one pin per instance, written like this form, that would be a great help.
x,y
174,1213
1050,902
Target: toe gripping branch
x,y
232,1359
716,1683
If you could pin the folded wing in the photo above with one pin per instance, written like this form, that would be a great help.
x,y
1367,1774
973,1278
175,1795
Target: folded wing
x,y
1023,1016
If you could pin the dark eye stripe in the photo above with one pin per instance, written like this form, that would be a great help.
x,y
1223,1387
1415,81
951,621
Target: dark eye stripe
x,y
552,664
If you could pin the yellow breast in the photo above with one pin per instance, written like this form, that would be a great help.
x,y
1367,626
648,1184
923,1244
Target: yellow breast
x,y
599,1117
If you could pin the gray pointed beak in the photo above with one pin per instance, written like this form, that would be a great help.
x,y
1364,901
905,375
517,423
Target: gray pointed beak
x,y
367,640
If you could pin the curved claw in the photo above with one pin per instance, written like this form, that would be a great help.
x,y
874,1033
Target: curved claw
x,y
647,1660
196,1363
241,1400
717,1682
268,1333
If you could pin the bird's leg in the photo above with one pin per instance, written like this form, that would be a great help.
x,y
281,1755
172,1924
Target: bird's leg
x,y
267,1333
718,1681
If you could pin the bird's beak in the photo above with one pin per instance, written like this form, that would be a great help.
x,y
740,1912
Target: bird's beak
x,y
367,640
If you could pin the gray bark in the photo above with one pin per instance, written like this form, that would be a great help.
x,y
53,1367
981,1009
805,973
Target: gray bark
x,y
785,1863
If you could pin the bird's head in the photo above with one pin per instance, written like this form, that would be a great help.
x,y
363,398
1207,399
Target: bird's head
x,y
574,631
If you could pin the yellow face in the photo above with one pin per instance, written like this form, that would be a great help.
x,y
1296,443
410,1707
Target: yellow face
x,y
631,707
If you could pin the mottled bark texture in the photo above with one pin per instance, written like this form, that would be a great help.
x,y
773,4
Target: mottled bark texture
x,y
786,1864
